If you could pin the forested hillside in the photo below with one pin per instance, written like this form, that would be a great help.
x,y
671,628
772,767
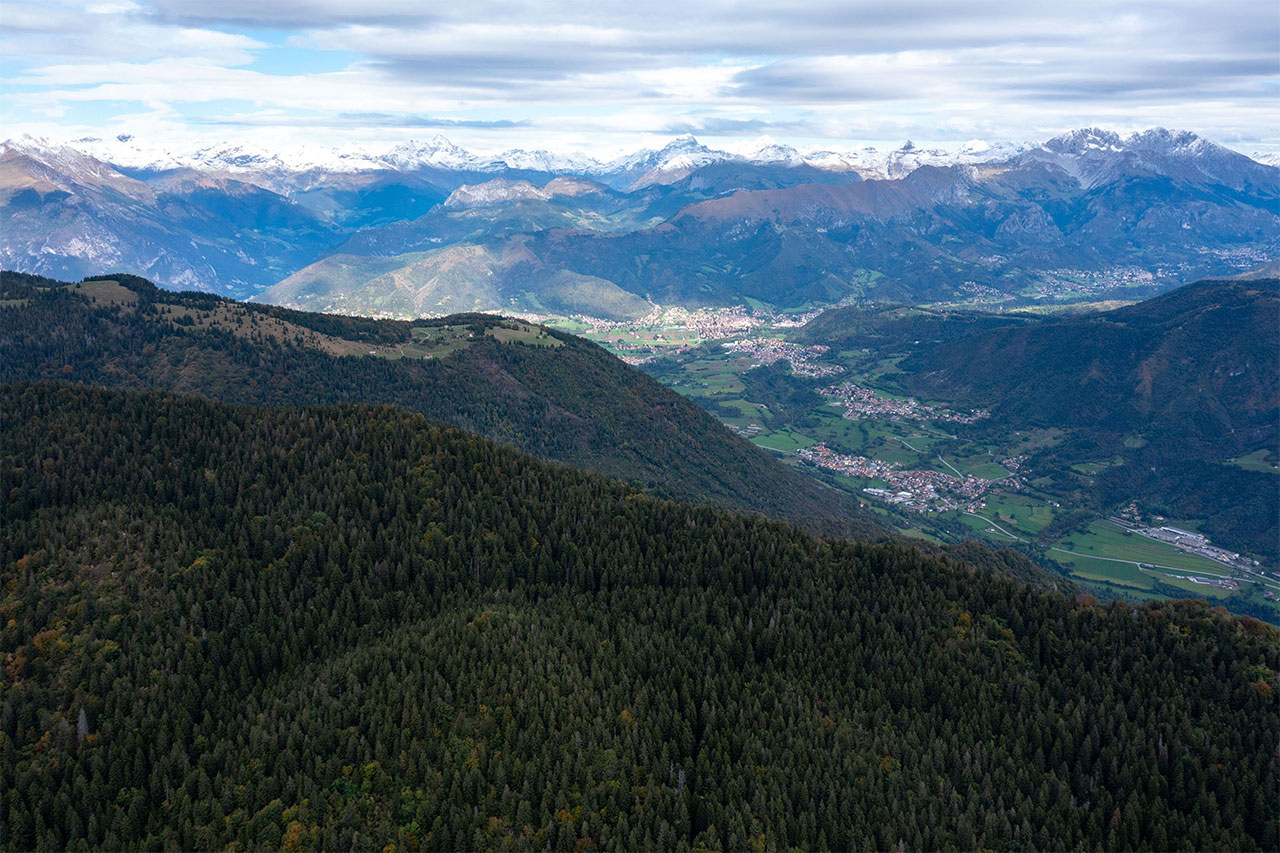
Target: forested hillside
x,y
345,627
1161,395
1198,367
554,395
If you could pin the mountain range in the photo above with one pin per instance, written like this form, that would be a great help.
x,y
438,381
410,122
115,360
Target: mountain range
x,y
427,228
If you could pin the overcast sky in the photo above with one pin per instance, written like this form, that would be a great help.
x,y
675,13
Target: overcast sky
x,y
603,76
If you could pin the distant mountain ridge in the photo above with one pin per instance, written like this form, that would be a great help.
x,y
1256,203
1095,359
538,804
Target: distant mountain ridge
x,y
684,224
667,164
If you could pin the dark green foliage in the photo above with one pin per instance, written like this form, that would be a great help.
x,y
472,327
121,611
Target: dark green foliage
x,y
898,327
790,399
1174,387
343,627
1198,368
574,403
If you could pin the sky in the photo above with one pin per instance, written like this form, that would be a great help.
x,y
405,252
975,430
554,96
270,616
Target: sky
x,y
602,77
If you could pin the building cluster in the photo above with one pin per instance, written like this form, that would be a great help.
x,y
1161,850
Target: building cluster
x,y
983,293
918,490
1131,513
860,403
803,359
1220,583
1013,464
1070,282
1196,543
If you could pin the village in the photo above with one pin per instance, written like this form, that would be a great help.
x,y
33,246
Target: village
x,y
860,402
803,359
918,490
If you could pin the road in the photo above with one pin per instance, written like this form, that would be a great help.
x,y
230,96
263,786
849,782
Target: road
x,y
1139,563
997,526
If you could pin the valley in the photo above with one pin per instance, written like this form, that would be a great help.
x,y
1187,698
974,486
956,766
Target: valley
x,y
845,398
929,468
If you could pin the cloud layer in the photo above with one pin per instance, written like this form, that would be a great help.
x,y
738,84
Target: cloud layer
x,y
606,75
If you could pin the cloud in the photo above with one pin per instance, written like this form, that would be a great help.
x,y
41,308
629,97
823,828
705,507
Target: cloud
x,y
925,68
359,120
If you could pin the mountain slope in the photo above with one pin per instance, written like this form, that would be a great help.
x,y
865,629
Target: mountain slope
x,y
1085,213
1199,366
65,214
555,395
349,629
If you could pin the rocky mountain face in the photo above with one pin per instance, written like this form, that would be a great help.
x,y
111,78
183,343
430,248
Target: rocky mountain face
x,y
66,213
685,223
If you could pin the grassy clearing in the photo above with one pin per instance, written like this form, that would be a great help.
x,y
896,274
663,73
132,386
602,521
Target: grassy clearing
x,y
105,292
917,533
785,440
432,342
710,377
648,337
1119,574
524,333
1036,439
982,526
253,324
1258,460
1019,512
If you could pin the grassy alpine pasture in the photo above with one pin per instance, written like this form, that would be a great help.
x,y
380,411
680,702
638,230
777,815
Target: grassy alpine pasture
x,y
1259,460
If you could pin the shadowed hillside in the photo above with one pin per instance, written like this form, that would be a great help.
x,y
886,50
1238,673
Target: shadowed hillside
x,y
545,392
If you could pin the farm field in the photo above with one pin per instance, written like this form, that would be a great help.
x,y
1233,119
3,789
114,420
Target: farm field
x,y
1021,512
785,440
1105,539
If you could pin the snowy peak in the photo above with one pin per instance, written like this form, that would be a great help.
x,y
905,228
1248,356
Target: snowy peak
x,y
766,152
666,165
43,165
549,161
1095,157
1092,156
896,164
1084,141
681,151
437,152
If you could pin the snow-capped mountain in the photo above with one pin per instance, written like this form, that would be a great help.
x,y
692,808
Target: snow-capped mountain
x,y
550,161
439,153
1093,156
43,165
900,162
1090,155
239,218
665,165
